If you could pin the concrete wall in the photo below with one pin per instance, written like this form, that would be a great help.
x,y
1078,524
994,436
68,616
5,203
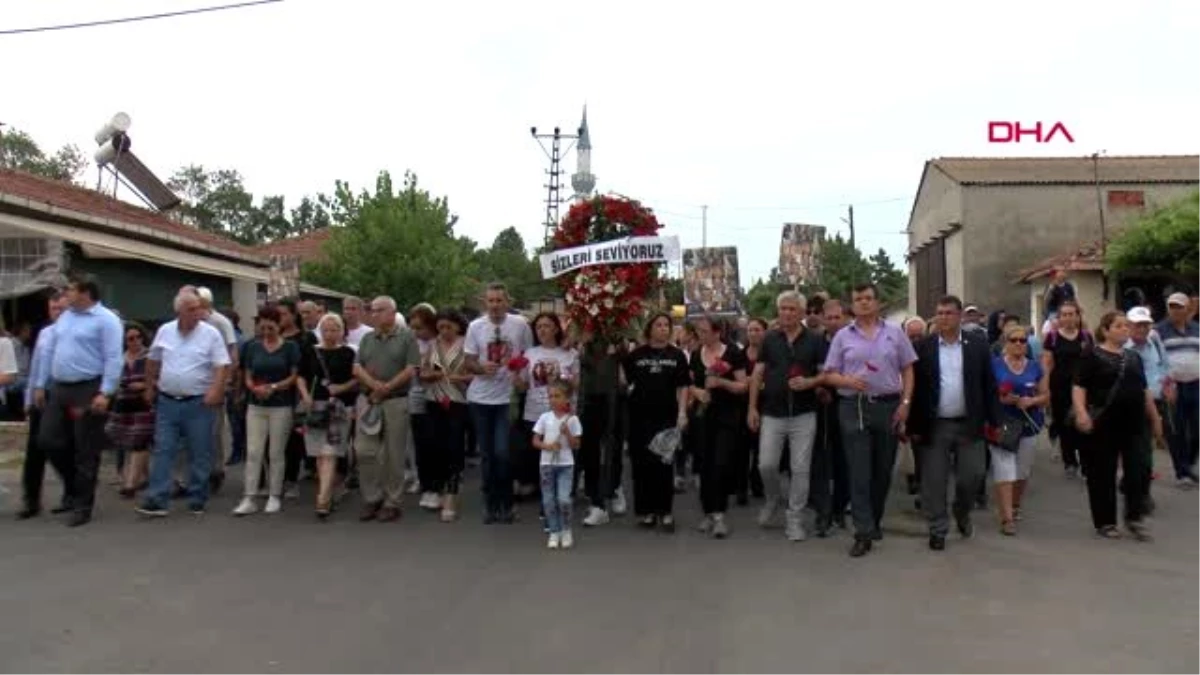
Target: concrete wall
x,y
245,303
1007,228
938,205
956,270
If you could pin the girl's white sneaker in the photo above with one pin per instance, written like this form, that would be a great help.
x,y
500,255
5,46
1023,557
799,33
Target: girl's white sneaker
x,y
553,541
566,539
246,507
274,505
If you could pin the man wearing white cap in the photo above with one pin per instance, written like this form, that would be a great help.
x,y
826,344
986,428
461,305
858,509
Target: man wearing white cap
x,y
1181,338
1148,345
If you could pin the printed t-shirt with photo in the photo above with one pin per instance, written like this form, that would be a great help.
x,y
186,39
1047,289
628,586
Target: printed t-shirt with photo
x,y
545,366
496,343
549,427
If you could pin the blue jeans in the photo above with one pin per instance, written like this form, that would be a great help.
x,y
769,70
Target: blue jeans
x,y
492,428
187,421
556,496
1182,431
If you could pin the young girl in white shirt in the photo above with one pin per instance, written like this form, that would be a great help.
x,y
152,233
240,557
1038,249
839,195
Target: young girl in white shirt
x,y
557,435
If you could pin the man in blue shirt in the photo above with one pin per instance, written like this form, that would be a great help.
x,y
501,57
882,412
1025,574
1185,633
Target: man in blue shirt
x,y
33,471
1181,338
82,369
1146,342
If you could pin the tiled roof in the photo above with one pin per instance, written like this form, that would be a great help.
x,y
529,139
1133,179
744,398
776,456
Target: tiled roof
x,y
1088,256
1070,170
306,247
45,192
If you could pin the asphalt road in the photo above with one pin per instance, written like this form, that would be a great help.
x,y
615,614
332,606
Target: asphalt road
x,y
288,594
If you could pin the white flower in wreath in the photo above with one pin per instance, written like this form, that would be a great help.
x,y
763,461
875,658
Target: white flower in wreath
x,y
593,310
610,287
608,303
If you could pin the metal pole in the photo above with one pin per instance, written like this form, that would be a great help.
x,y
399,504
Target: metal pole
x,y
704,227
1103,227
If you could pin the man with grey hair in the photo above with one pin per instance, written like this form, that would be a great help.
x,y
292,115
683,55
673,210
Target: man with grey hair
x,y
786,378
310,316
185,382
221,427
386,364
352,315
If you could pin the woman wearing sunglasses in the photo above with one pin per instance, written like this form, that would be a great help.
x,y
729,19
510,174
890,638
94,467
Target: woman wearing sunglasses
x,y
1024,390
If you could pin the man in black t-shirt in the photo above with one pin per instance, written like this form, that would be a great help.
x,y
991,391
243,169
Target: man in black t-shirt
x,y
786,377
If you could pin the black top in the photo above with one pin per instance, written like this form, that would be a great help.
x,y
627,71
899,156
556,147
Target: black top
x,y
725,406
1097,372
1066,353
340,363
267,367
655,376
783,360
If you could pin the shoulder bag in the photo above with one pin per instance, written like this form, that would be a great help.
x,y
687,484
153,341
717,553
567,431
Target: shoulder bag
x,y
1095,411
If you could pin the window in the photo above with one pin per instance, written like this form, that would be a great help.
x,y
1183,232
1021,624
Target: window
x,y
1122,198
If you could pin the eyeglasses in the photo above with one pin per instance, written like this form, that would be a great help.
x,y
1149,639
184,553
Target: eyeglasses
x,y
1018,341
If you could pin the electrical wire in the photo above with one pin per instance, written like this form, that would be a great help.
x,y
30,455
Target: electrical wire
x,y
131,19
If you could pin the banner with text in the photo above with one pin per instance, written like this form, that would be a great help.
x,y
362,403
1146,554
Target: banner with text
x,y
632,250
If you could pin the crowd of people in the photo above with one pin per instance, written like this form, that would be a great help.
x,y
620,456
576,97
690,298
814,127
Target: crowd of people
x,y
806,411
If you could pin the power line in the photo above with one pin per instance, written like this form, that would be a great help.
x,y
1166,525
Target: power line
x,y
840,205
131,19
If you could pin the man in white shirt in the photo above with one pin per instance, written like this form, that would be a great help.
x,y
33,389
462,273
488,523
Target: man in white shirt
x,y
186,374
492,341
222,432
352,314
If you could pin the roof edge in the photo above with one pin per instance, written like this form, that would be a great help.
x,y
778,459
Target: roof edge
x,y
126,227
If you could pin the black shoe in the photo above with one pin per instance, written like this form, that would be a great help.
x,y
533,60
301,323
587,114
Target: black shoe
x,y
861,547
937,543
180,491
61,509
196,509
965,527
80,518
151,510
29,512
839,521
215,482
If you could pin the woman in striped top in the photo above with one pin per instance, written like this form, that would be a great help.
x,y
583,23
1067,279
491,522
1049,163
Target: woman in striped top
x,y
446,381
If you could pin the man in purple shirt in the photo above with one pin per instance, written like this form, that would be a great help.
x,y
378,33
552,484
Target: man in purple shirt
x,y
870,363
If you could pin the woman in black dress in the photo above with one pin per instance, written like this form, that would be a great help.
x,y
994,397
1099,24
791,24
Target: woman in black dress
x,y
719,387
657,375
746,479
328,391
1061,351
1112,408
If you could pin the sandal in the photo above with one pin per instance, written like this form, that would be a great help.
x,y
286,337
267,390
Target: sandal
x,y
324,507
1008,528
1109,532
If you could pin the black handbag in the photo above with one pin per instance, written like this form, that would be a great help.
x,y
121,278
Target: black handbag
x,y
1009,434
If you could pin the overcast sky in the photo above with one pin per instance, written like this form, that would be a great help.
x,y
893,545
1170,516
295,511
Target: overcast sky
x,y
766,114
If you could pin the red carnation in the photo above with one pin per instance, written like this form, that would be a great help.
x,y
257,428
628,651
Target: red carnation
x,y
720,368
795,371
1006,388
518,363
444,401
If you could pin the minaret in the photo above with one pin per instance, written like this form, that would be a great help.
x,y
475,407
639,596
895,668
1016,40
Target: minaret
x,y
583,181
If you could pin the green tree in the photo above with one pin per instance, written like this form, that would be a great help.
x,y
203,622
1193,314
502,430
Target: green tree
x,y
759,301
509,261
673,290
19,151
398,243
1166,239
842,267
218,201
892,283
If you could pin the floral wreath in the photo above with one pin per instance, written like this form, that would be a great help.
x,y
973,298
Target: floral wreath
x,y
606,300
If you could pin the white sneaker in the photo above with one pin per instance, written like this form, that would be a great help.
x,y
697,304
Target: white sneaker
x,y
567,539
274,505
246,507
411,485
553,541
619,507
795,531
430,501
766,515
595,517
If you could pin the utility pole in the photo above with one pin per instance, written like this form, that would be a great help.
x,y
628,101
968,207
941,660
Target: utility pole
x,y
1103,228
554,173
704,226
850,221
